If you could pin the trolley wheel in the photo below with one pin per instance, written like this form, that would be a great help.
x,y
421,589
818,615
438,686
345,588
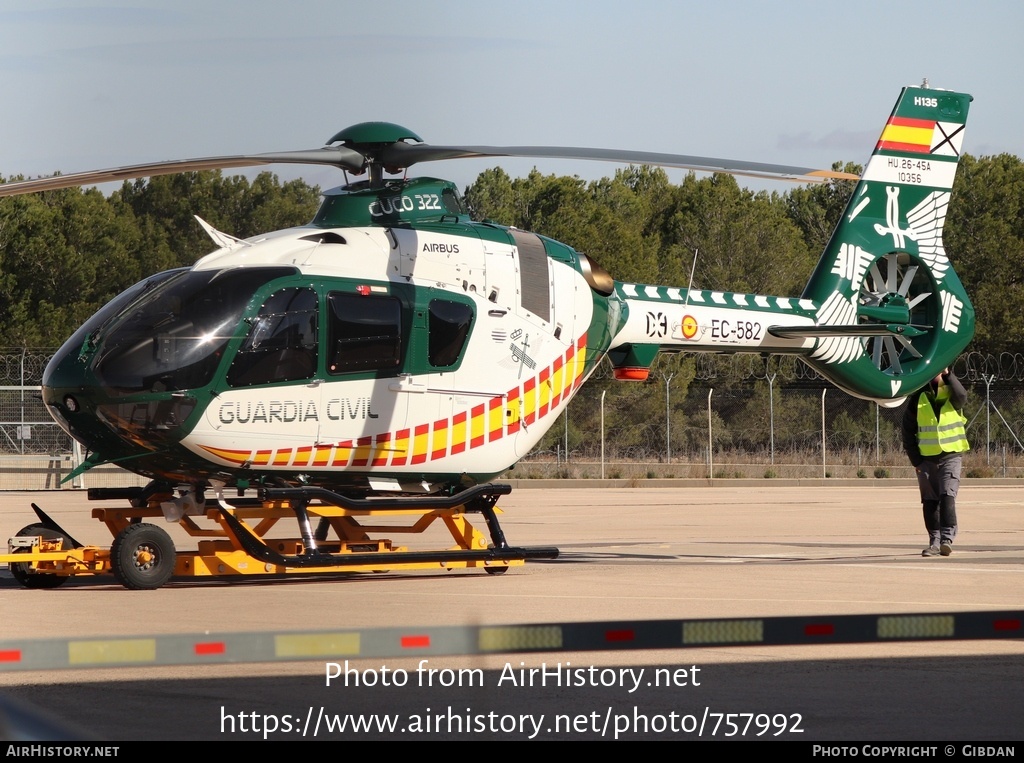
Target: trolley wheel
x,y
495,570
23,572
142,557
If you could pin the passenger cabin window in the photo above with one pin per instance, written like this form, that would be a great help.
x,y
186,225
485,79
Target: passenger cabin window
x,y
282,341
365,333
449,325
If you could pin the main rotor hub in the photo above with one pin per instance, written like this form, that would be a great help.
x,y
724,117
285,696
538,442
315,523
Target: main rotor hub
x,y
374,133
372,140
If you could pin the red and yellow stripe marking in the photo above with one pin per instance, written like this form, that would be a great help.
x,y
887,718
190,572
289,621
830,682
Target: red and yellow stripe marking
x,y
232,456
495,418
362,452
301,455
906,134
322,455
530,401
545,392
401,452
420,437
439,442
380,456
501,415
477,426
460,433
557,381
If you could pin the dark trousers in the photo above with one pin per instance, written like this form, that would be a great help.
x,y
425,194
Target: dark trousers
x,y
938,478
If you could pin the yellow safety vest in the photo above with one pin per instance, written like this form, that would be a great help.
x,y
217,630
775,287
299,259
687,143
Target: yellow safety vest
x,y
942,435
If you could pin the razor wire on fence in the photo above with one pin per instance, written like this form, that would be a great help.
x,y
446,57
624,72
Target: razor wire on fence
x,y
1006,367
25,426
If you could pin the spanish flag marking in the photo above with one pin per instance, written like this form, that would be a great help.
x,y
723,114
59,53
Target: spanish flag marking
x,y
262,457
459,432
905,134
283,457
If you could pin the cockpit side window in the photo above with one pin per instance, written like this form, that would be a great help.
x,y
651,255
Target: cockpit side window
x,y
365,333
282,341
449,325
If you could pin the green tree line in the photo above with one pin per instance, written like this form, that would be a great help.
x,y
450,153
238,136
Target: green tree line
x,y
643,228
63,254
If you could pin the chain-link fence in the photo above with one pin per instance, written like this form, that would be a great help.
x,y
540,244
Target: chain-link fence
x,y
35,453
754,417
25,426
742,416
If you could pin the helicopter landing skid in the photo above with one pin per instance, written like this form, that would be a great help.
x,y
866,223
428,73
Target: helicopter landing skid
x,y
143,555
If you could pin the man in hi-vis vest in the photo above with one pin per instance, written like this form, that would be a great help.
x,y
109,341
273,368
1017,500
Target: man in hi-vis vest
x,y
934,438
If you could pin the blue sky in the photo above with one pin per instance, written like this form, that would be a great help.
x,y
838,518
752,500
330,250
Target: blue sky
x,y
88,85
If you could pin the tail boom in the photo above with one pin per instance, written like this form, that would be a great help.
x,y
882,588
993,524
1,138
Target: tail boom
x,y
884,310
680,320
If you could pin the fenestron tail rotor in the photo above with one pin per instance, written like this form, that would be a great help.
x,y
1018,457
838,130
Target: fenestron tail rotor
x,y
898,286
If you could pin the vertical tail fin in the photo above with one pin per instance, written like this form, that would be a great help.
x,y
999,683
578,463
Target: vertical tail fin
x,y
885,268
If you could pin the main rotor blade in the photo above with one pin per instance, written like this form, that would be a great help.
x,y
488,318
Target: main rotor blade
x,y
336,156
407,154
397,156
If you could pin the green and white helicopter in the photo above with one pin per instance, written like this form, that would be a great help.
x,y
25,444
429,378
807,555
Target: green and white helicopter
x,y
394,346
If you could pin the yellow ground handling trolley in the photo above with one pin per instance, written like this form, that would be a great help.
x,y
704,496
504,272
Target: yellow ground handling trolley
x,y
236,538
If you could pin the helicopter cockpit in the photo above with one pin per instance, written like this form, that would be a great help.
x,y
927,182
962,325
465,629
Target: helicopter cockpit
x,y
174,337
144,370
